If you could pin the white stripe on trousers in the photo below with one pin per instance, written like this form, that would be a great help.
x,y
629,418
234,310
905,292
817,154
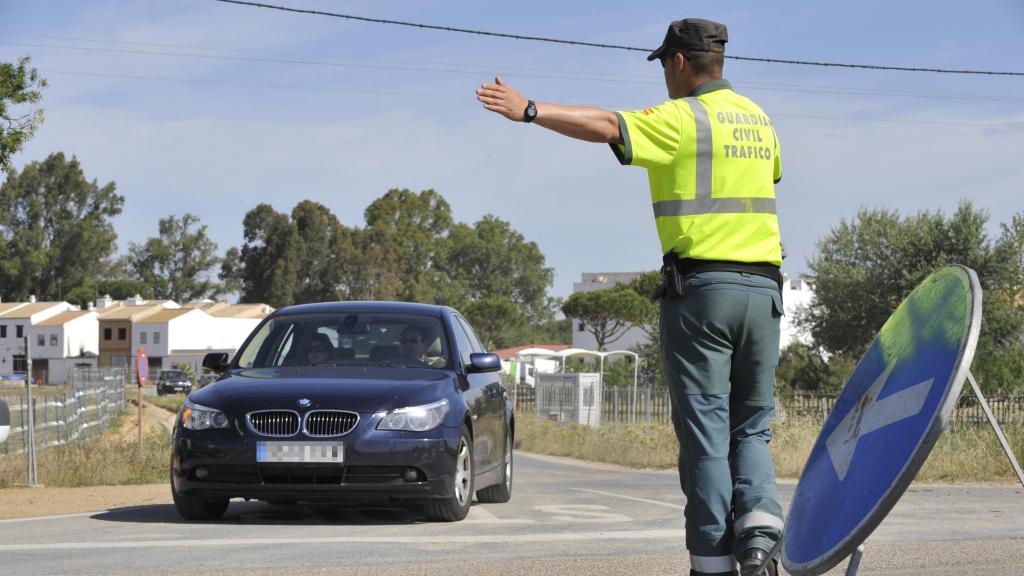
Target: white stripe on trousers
x,y
712,564
757,519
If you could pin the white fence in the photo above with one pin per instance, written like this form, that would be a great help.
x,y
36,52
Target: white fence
x,y
92,398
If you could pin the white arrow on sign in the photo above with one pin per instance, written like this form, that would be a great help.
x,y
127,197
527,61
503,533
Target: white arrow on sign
x,y
870,414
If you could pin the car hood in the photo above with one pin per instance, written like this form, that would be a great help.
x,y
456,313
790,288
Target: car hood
x,y
363,390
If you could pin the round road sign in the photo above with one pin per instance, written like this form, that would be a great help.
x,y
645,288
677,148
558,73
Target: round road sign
x,y
885,422
142,367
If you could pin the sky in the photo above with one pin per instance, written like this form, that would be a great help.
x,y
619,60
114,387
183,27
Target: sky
x,y
212,108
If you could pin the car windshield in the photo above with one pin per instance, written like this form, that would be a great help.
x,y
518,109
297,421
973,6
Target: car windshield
x,y
367,339
173,374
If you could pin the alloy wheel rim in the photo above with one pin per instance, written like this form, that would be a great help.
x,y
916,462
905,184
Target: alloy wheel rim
x,y
462,473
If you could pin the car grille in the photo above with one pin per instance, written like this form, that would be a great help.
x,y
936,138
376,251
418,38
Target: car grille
x,y
274,422
330,422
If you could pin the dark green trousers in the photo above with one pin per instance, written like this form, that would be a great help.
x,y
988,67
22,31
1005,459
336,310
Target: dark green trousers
x,y
721,347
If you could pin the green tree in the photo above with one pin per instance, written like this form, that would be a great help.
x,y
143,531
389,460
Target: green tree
x,y
652,357
608,313
321,247
117,289
498,322
55,230
866,267
178,263
803,367
411,230
492,260
19,85
267,265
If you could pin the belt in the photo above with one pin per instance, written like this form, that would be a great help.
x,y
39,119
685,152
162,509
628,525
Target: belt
x,y
687,266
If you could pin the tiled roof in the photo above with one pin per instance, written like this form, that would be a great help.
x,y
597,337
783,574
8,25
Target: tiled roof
x,y
63,318
28,310
241,311
165,315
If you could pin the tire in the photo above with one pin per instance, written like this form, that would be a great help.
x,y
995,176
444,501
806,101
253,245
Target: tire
x,y
456,507
502,491
193,507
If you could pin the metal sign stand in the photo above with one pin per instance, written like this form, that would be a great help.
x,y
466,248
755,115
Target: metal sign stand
x,y
995,426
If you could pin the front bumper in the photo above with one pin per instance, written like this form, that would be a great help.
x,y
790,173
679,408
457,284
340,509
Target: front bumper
x,y
374,466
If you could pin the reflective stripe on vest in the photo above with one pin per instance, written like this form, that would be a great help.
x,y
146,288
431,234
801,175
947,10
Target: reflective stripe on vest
x,y
703,203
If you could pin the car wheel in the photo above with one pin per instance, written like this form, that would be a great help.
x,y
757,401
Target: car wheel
x,y
456,507
159,391
502,491
194,507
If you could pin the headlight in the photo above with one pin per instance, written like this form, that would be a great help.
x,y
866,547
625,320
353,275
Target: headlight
x,y
196,417
415,418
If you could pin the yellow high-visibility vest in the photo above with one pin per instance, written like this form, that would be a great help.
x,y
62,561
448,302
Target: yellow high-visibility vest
x,y
712,160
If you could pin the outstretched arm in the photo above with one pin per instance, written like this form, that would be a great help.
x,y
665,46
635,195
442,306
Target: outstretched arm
x,y
580,122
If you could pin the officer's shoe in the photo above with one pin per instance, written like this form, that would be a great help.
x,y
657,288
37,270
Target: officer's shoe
x,y
752,559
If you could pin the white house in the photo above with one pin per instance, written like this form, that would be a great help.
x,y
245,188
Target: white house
x,y
64,342
796,293
15,324
174,337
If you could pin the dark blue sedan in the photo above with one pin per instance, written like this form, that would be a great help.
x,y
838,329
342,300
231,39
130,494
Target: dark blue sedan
x,y
348,401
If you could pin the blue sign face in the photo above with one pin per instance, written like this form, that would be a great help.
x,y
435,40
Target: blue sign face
x,y
885,422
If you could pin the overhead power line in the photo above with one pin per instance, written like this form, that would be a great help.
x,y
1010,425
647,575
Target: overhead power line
x,y
611,46
1009,126
428,67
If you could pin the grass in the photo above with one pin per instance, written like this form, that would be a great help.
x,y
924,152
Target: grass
x,y
171,403
101,461
963,453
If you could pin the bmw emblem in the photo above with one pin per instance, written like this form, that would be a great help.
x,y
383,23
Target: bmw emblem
x,y
304,402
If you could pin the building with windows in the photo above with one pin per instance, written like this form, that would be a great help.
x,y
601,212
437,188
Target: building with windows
x,y
116,319
62,343
174,337
16,322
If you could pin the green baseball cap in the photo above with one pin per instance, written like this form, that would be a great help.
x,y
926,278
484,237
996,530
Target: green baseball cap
x,y
694,34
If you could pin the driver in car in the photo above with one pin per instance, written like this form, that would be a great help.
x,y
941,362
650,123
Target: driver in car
x,y
415,341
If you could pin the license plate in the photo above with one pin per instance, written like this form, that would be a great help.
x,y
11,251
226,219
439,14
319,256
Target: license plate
x,y
300,452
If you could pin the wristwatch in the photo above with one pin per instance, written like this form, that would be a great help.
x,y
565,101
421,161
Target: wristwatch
x,y
530,114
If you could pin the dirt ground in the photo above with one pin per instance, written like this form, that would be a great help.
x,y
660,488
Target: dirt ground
x,y
33,502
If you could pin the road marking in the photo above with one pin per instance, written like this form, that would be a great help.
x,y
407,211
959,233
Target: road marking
x,y
446,539
655,502
478,515
582,513
871,414
37,518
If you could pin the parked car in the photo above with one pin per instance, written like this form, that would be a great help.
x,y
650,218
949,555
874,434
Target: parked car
x,y
173,382
348,400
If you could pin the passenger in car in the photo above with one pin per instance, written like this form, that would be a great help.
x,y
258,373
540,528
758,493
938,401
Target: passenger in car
x,y
320,349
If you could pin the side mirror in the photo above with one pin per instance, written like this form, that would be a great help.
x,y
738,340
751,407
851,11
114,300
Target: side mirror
x,y
216,362
483,363
5,420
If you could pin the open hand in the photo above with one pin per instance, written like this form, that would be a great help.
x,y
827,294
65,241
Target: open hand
x,y
503,99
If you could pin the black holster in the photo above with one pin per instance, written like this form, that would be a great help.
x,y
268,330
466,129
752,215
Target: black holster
x,y
672,278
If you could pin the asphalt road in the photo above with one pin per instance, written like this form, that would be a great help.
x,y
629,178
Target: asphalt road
x,y
565,518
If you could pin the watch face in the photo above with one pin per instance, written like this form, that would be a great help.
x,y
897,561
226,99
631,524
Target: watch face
x,y
531,111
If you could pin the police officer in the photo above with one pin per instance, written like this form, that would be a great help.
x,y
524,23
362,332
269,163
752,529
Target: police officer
x,y
712,158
